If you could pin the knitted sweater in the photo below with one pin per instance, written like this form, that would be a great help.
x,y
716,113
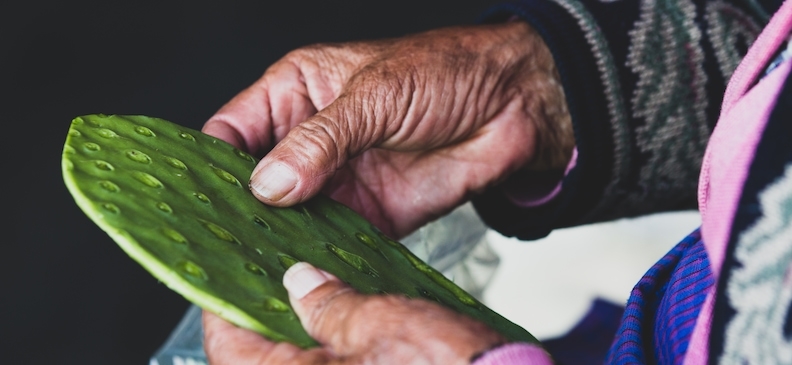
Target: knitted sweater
x,y
645,84
643,81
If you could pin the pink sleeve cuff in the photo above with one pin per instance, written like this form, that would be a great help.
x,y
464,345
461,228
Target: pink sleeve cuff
x,y
515,353
534,189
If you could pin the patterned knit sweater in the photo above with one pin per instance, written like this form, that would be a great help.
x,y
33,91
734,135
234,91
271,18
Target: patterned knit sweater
x,y
644,81
646,86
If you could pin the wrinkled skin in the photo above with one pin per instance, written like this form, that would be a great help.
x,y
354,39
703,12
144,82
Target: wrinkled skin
x,y
403,131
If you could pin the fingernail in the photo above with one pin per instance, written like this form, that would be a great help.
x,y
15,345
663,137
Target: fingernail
x,y
302,278
274,181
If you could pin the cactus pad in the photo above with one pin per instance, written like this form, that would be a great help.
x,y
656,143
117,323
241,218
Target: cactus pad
x,y
177,202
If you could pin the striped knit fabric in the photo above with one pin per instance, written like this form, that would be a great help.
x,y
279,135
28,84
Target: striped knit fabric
x,y
679,308
643,81
661,312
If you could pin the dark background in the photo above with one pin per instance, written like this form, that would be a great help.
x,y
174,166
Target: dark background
x,y
69,294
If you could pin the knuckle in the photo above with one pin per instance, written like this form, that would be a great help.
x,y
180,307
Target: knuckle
x,y
314,57
329,312
378,95
302,53
385,308
380,303
320,139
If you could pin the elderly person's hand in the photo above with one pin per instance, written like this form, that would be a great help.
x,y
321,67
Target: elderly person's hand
x,y
353,329
402,130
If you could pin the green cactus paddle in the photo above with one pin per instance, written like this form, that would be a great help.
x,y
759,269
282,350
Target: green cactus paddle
x,y
176,201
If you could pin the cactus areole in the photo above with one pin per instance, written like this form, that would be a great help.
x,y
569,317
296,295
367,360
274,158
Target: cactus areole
x,y
177,202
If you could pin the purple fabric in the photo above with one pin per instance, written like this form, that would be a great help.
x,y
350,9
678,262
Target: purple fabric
x,y
588,342
661,312
680,306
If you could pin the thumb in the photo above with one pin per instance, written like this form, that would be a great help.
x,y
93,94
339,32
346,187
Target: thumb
x,y
324,304
300,165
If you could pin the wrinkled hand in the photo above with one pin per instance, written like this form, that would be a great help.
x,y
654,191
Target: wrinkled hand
x,y
402,130
353,329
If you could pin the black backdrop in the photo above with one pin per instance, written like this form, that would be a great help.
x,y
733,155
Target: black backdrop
x,y
69,295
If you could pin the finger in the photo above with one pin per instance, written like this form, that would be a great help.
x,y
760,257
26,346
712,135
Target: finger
x,y
245,120
371,327
326,307
225,343
263,113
